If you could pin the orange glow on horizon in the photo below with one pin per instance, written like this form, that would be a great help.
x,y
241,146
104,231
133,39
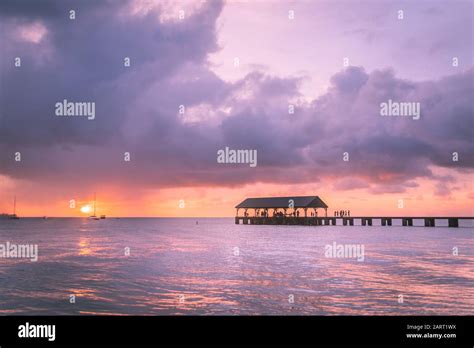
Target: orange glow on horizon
x,y
215,201
220,202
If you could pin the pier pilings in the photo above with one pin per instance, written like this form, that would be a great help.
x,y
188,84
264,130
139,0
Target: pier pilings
x,y
453,222
429,222
349,221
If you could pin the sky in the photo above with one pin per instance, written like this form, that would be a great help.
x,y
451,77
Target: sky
x,y
206,75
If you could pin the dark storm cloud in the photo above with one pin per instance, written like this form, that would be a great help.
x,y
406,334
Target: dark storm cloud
x,y
85,63
82,60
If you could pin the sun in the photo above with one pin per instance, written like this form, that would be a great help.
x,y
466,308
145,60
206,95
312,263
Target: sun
x,y
86,209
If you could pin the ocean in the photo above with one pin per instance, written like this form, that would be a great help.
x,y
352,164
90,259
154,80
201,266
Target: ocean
x,y
210,266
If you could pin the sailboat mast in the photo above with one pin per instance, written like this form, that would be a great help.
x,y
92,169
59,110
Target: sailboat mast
x,y
94,202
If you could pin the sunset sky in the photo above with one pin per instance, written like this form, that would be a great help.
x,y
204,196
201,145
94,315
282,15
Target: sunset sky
x,y
191,61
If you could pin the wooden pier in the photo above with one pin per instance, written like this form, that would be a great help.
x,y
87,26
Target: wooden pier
x,y
294,211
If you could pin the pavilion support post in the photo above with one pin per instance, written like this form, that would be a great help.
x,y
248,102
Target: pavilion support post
x,y
326,212
305,212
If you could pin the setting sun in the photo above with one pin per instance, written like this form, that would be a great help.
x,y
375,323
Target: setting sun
x,y
86,209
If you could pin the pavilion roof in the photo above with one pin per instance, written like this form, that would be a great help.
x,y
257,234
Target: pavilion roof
x,y
283,202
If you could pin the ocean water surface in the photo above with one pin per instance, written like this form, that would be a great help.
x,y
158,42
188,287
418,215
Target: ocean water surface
x,y
210,266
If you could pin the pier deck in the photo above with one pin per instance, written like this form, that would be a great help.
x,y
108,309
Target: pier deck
x,y
429,221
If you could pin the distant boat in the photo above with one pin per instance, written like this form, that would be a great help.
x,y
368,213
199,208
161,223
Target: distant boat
x,y
10,216
102,217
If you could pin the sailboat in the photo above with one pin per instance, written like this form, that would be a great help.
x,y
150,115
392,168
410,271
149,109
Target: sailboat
x,y
95,217
11,216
